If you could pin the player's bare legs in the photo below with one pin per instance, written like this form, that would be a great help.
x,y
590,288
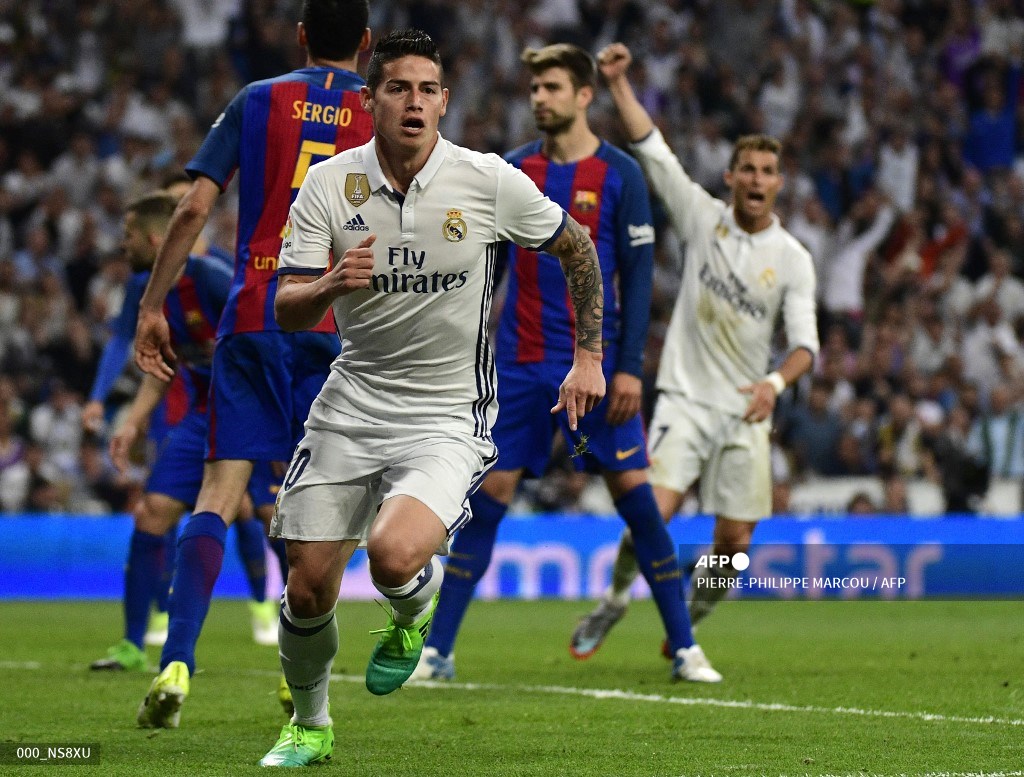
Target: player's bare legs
x,y
467,561
308,631
403,567
731,537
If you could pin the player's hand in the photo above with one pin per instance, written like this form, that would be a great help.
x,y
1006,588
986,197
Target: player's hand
x,y
582,388
121,446
762,401
613,61
92,416
624,397
355,269
153,352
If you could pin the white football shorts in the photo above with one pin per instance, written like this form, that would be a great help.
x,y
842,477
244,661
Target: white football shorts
x,y
688,440
345,467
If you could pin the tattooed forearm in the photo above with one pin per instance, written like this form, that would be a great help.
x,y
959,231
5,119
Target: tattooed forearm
x,y
578,257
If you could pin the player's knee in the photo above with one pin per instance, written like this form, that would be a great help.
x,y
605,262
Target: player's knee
x,y
307,599
729,543
393,563
150,518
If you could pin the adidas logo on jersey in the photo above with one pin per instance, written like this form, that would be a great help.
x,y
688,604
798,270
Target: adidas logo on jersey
x,y
356,224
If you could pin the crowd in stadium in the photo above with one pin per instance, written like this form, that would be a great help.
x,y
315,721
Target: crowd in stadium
x,y
900,121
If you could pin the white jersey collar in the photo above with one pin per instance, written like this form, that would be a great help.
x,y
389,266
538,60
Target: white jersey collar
x,y
375,175
729,219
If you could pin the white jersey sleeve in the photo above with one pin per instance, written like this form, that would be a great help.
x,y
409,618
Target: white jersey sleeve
x,y
687,203
308,237
798,305
522,213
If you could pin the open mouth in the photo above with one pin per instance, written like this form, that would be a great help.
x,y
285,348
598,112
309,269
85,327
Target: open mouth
x,y
755,197
413,124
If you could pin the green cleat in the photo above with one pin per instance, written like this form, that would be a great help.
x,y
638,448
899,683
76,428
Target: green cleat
x,y
284,696
162,706
301,746
123,657
395,657
156,629
264,617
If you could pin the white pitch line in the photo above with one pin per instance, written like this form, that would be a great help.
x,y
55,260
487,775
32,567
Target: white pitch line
x,y
654,698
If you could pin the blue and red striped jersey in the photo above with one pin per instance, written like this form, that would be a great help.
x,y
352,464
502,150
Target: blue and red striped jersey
x,y
272,132
607,195
192,308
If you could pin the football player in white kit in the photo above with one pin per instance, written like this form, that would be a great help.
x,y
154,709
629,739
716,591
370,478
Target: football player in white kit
x,y
400,432
713,414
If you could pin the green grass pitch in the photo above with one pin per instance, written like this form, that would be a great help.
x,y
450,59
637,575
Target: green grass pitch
x,y
811,688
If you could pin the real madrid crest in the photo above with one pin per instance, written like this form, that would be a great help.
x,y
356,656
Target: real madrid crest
x,y
357,188
767,278
722,231
454,229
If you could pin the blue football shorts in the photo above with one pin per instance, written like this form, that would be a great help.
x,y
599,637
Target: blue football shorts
x,y
262,386
525,428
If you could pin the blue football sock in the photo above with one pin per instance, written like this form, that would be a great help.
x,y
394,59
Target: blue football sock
x,y
468,559
281,551
142,575
254,556
170,558
656,557
200,554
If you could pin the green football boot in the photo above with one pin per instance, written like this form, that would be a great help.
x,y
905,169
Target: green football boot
x,y
301,746
162,706
123,657
156,629
284,696
395,657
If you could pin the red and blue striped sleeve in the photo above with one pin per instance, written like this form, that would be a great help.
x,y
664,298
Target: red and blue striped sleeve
x,y
635,253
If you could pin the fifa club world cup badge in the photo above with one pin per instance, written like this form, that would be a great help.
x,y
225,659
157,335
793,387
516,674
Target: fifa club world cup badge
x,y
357,188
454,229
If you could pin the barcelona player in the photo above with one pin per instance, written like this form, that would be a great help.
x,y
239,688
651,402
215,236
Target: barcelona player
x,y
145,559
603,189
264,379
193,308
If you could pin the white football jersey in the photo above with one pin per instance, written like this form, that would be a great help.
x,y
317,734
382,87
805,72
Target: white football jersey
x,y
414,345
734,286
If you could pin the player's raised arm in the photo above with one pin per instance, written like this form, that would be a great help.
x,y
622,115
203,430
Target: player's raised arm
x,y
613,61
584,386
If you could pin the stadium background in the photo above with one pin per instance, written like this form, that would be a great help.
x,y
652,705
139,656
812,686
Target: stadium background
x,y
905,179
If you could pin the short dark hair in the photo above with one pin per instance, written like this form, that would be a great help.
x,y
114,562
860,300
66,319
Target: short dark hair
x,y
153,211
755,143
334,28
581,66
398,44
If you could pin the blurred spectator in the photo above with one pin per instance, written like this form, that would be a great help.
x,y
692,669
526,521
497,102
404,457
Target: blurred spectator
x,y
997,437
813,432
32,485
963,476
986,345
1000,285
56,426
899,438
861,504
